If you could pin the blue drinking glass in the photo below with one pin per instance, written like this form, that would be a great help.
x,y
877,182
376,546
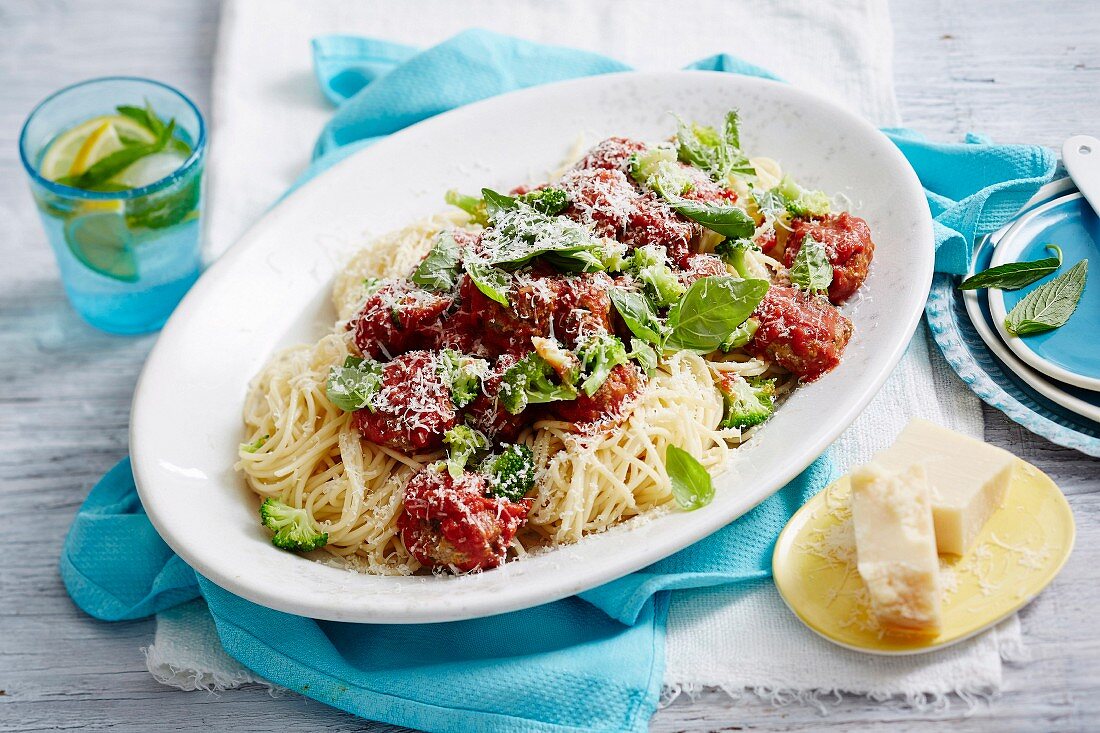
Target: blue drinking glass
x,y
130,250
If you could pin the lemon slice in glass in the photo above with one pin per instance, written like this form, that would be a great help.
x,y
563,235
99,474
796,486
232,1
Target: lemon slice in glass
x,y
101,241
75,150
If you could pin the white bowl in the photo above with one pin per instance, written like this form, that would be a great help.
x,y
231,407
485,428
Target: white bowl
x,y
272,289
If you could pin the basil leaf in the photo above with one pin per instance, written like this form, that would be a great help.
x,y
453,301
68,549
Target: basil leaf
x,y
811,269
729,221
690,482
644,355
1014,275
732,129
1050,305
717,154
496,202
351,386
493,283
770,203
519,234
711,310
638,314
439,270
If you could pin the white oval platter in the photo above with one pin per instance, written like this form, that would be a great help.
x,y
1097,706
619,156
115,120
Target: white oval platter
x,y
272,290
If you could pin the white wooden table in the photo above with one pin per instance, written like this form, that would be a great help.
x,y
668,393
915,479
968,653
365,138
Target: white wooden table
x,y
1018,70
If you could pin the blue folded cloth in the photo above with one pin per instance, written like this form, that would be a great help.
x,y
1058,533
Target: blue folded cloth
x,y
575,665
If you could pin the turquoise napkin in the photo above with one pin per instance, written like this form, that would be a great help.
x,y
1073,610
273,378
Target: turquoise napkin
x,y
575,665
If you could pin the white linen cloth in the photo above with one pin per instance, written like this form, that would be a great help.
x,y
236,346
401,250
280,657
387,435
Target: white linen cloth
x,y
267,114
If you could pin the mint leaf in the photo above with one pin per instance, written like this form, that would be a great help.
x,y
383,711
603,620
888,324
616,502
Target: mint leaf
x,y
1050,305
108,167
811,269
690,482
1014,275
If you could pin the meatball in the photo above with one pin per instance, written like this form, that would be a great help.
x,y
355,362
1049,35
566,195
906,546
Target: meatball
x,y
614,153
848,246
609,402
654,222
449,521
413,407
602,198
487,414
543,303
396,318
698,266
804,334
705,189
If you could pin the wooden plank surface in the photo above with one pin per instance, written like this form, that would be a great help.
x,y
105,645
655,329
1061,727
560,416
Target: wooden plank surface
x,y
1017,70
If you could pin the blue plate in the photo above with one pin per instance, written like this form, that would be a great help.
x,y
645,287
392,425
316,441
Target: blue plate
x,y
989,377
1070,354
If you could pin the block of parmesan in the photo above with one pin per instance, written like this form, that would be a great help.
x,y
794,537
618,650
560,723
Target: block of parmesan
x,y
968,479
896,547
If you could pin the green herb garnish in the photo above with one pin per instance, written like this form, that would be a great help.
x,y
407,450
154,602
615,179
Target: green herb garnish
x,y
811,269
711,309
439,270
1014,275
1050,305
351,386
690,482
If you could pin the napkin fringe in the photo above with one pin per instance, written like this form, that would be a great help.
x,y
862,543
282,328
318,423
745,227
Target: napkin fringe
x,y
164,671
824,700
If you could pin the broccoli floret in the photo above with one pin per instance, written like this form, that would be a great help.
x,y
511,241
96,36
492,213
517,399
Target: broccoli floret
x,y
511,473
294,529
255,445
649,265
741,335
472,205
733,251
801,202
549,201
614,256
464,374
749,402
463,443
598,355
529,381
658,171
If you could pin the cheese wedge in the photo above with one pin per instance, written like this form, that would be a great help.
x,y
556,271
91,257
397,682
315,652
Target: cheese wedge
x,y
896,547
968,479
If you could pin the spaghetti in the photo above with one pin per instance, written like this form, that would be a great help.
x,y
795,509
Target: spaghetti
x,y
392,438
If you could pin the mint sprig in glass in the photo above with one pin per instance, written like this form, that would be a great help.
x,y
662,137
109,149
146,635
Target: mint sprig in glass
x,y
115,168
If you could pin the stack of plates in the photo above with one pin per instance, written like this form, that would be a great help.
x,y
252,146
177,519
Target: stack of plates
x,y
1049,383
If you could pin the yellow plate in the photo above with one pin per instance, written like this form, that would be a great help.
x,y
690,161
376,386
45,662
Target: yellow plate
x,y
1021,549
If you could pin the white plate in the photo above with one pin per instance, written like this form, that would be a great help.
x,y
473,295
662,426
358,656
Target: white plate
x,y
272,289
1078,333
1051,390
